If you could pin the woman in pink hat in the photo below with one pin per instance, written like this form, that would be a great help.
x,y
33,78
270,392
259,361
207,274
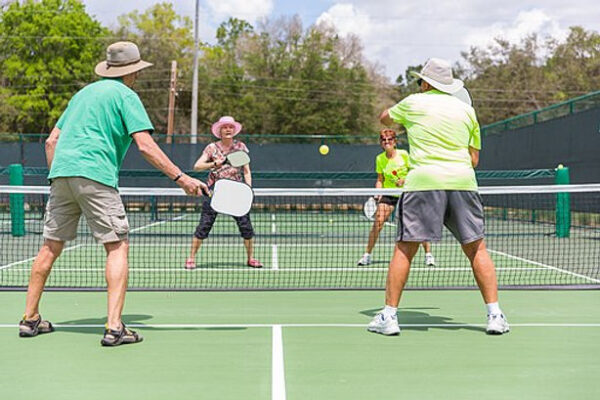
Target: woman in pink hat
x,y
213,158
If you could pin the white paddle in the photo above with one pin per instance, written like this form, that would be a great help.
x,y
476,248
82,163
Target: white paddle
x,y
369,208
238,159
464,96
231,198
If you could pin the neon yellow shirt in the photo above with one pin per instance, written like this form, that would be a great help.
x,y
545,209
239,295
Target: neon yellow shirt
x,y
392,169
440,130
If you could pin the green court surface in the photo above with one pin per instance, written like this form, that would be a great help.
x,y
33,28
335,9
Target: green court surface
x,y
306,345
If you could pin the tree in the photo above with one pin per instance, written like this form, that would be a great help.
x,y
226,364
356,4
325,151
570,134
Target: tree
x,y
50,48
508,79
574,66
283,79
162,36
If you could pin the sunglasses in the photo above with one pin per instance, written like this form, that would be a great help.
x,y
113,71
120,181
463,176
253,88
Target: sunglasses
x,y
387,139
419,81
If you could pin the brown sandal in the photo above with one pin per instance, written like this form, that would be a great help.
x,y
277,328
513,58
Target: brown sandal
x,y
34,327
125,335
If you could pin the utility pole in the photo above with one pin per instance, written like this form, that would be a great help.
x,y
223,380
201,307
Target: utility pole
x,y
172,94
194,124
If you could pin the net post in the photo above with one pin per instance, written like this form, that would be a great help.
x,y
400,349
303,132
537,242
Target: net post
x,y
563,204
153,209
16,201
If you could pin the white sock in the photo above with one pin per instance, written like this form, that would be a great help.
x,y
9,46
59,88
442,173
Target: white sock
x,y
389,311
367,255
428,255
493,308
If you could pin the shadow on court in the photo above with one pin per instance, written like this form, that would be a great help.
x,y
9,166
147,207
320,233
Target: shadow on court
x,y
130,319
412,316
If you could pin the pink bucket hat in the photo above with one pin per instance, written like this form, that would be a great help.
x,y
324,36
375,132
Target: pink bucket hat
x,y
226,120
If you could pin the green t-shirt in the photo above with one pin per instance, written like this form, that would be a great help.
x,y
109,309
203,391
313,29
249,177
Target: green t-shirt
x,y
392,169
95,131
440,130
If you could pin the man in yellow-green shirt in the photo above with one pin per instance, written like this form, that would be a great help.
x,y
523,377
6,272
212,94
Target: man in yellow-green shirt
x,y
440,189
392,166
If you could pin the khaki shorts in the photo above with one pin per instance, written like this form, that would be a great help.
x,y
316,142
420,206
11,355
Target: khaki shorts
x,y
100,204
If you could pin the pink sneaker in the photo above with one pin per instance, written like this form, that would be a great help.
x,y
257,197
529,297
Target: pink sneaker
x,y
190,263
254,263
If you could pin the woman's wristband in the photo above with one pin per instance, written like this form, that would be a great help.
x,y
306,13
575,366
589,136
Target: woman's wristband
x,y
179,175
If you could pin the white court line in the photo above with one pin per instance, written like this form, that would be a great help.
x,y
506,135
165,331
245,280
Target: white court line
x,y
217,326
157,223
133,270
33,258
274,256
564,271
78,246
277,365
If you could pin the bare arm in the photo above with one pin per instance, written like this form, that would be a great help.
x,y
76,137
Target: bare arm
x,y
474,156
385,118
247,175
51,145
202,164
155,156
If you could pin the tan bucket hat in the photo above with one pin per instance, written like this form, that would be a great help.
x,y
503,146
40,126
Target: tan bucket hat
x,y
122,58
438,73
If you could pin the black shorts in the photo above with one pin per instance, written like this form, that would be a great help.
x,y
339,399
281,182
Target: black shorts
x,y
208,217
421,216
389,200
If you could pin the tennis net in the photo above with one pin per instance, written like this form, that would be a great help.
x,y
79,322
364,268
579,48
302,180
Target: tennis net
x,y
538,236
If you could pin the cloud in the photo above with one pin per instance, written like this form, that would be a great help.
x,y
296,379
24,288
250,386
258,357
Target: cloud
x,y
399,34
345,17
526,23
249,10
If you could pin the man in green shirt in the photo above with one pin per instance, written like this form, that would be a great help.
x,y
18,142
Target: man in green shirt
x,y
440,189
85,152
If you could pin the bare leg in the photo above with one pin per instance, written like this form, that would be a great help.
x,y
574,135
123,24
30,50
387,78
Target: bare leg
x,y
196,243
116,277
40,270
249,244
383,213
398,271
426,247
483,269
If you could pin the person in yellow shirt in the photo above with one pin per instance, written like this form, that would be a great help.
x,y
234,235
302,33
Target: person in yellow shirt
x,y
392,166
440,190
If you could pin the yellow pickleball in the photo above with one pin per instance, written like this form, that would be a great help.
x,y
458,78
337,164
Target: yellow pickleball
x,y
324,149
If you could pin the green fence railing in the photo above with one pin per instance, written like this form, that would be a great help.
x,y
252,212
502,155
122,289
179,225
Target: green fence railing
x,y
572,106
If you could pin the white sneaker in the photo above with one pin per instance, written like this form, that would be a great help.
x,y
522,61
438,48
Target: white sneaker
x,y
497,325
385,325
429,260
365,259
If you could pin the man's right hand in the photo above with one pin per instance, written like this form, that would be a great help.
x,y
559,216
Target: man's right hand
x,y
192,186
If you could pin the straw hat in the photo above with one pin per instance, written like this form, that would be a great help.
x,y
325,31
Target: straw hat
x,y
438,73
226,120
122,58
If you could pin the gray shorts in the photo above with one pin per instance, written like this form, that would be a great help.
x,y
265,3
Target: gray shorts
x,y
101,205
422,214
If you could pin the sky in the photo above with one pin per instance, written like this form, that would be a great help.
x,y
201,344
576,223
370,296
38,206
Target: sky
x,y
395,33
